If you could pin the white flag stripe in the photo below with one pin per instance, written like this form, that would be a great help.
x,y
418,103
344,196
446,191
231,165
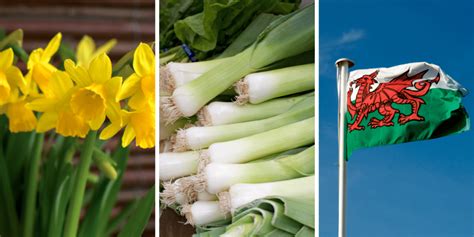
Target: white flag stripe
x,y
387,74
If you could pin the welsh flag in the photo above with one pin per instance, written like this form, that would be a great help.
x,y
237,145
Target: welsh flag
x,y
410,102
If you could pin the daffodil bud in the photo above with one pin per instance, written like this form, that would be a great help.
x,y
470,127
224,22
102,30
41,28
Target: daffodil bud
x,y
105,164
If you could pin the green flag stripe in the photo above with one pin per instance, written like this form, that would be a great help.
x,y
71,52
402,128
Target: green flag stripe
x,y
443,115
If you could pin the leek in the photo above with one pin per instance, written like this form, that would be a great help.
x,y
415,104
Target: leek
x,y
203,212
267,206
220,113
174,75
285,37
218,177
194,138
301,189
176,165
263,144
262,86
184,190
205,196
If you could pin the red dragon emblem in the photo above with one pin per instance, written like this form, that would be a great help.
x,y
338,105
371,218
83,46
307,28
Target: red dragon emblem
x,y
399,90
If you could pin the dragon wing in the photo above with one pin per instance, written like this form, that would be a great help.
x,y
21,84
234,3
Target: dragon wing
x,y
404,81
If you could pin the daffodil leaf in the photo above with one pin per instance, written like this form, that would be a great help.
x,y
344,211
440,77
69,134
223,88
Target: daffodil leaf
x,y
138,220
104,197
66,52
124,214
14,38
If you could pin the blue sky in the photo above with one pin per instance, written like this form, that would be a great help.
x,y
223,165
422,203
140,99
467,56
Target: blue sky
x,y
415,189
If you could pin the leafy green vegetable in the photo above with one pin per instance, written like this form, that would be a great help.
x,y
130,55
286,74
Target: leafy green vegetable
x,y
221,21
172,11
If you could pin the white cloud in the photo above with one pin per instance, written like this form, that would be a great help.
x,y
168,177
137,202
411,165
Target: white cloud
x,y
351,36
329,48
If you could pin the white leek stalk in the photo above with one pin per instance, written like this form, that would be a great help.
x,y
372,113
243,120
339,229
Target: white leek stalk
x,y
174,74
218,177
262,86
203,212
285,37
205,196
176,165
220,113
263,144
242,194
194,138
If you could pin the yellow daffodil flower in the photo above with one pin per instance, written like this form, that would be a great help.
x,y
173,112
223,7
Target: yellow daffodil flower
x,y
96,91
138,124
11,78
56,109
140,86
86,50
20,117
39,66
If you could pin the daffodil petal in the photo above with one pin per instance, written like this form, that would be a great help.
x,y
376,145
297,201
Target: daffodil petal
x,y
4,88
105,48
85,49
46,122
137,101
112,87
144,60
100,68
113,112
148,86
15,77
51,48
6,59
143,124
41,75
42,104
78,73
97,122
34,58
20,119
110,131
130,86
128,136
60,83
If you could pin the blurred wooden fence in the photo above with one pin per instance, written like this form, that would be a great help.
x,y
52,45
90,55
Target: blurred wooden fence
x,y
129,21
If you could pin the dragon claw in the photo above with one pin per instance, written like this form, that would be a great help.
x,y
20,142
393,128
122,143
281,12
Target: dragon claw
x,y
354,126
403,119
375,123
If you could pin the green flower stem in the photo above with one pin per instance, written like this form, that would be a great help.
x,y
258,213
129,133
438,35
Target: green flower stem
x,y
32,187
79,188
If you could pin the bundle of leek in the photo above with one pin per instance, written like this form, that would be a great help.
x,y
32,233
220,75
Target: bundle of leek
x,y
285,37
244,167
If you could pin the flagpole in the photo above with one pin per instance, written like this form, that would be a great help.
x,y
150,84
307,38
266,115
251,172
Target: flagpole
x,y
343,66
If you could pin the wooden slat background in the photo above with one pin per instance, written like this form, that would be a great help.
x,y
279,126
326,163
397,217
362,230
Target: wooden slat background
x,y
129,21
